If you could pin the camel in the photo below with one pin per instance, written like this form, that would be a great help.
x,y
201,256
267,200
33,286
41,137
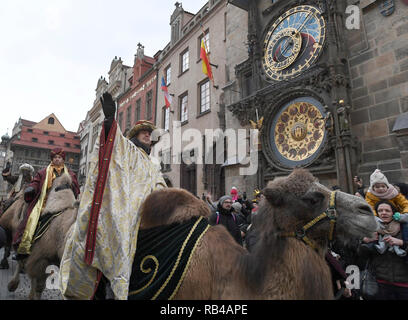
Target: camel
x,y
48,249
278,266
7,248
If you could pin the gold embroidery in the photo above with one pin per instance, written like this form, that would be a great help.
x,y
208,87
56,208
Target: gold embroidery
x,y
178,259
188,263
156,268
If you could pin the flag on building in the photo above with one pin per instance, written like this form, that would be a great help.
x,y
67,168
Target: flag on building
x,y
167,96
206,61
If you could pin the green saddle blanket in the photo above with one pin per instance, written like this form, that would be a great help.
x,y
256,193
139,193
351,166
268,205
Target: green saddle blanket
x,y
162,259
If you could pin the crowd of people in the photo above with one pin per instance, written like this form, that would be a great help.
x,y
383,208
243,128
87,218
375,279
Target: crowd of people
x,y
385,255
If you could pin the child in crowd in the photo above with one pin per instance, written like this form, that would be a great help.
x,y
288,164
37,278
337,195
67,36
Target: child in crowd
x,y
381,189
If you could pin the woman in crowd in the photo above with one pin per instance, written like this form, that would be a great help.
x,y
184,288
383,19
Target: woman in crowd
x,y
390,270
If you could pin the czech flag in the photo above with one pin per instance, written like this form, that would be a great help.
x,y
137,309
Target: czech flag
x,y
167,96
206,62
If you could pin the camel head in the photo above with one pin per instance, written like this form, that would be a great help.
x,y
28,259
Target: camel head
x,y
60,196
296,200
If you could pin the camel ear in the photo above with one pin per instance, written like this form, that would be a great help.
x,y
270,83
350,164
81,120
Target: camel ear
x,y
275,197
313,199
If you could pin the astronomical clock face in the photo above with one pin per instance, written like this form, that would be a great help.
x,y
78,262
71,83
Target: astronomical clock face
x,y
298,132
293,42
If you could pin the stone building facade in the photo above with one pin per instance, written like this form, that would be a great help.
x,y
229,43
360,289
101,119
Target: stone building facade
x,y
332,98
197,102
378,62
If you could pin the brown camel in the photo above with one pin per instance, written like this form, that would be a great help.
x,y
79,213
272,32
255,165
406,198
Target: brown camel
x,y
278,267
48,249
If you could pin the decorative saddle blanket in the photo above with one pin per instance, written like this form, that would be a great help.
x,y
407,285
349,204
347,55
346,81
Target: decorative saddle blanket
x,y
162,258
44,223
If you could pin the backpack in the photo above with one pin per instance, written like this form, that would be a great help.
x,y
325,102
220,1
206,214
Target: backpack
x,y
218,217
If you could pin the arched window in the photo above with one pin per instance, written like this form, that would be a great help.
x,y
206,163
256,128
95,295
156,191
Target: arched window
x,y
50,120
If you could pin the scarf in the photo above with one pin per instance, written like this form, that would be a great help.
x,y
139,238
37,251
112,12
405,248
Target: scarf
x,y
51,173
391,193
141,145
391,229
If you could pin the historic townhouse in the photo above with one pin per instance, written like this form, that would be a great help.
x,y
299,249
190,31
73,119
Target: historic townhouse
x,y
139,100
88,130
197,102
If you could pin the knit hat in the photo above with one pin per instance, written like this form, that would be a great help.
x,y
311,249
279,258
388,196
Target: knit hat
x,y
237,207
223,198
378,177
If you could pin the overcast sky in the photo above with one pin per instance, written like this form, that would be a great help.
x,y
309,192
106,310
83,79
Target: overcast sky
x,y
52,52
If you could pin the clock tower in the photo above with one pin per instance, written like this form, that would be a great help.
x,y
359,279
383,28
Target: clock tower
x,y
296,77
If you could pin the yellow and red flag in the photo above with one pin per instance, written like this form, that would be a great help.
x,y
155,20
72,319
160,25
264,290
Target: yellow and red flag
x,y
206,61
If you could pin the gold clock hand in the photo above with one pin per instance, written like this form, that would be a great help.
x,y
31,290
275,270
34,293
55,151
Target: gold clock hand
x,y
304,23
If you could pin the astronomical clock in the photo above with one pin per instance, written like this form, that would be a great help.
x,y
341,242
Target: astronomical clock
x,y
293,43
296,77
297,133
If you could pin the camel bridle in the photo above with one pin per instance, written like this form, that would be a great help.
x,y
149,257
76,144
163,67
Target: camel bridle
x,y
330,214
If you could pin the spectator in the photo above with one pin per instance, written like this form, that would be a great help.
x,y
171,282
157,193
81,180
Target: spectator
x,y
361,189
387,229
225,216
389,269
234,194
381,189
402,188
241,219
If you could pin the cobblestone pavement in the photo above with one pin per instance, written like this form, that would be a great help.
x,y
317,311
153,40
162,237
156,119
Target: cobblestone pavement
x,y
24,287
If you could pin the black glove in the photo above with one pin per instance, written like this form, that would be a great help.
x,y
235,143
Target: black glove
x,y
7,168
29,191
108,106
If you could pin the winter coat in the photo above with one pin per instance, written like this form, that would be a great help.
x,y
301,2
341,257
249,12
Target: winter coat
x,y
399,202
226,219
387,266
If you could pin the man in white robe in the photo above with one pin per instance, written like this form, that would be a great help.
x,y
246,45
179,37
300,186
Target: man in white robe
x,y
102,241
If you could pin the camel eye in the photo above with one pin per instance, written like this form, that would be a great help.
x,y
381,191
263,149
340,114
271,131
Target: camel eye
x,y
313,198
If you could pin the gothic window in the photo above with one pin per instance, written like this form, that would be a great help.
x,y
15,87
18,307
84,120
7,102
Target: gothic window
x,y
50,120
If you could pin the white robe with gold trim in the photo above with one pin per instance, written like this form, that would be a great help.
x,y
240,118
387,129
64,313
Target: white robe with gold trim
x,y
132,177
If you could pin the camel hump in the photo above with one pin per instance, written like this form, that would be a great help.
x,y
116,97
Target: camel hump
x,y
171,205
